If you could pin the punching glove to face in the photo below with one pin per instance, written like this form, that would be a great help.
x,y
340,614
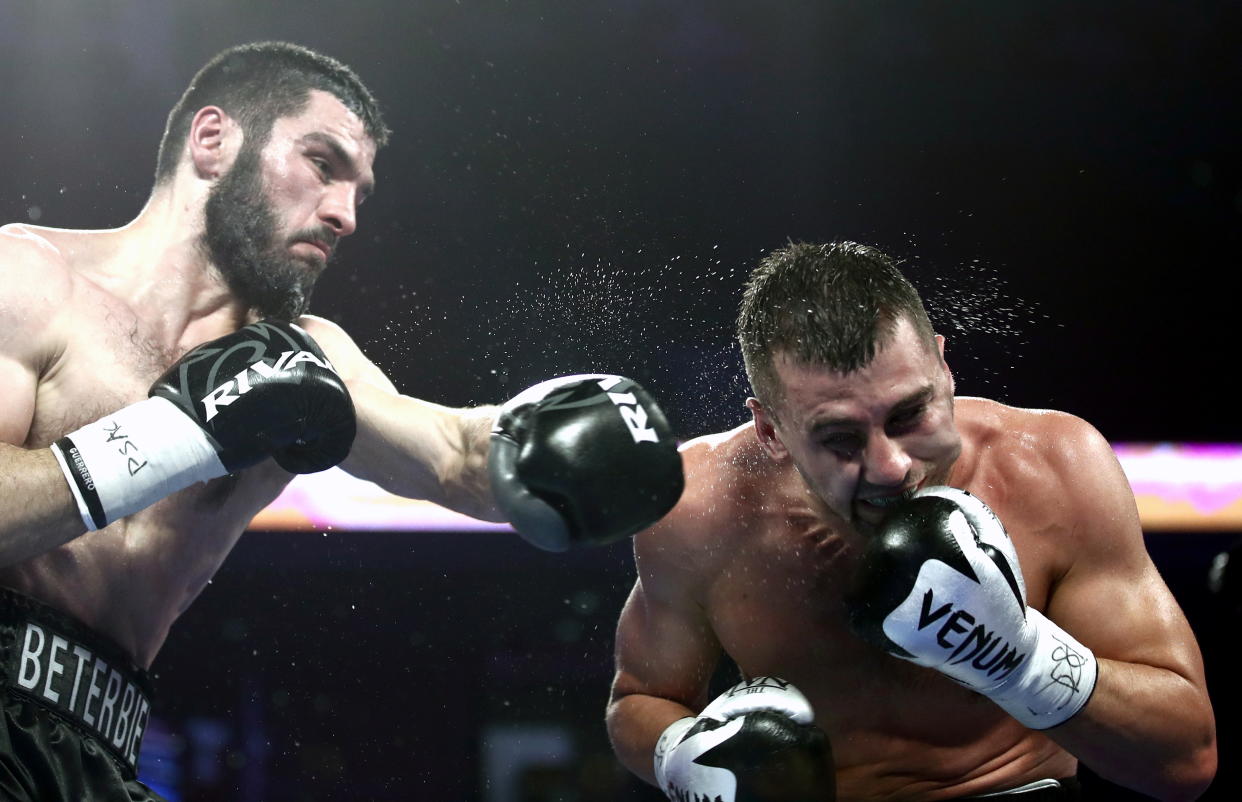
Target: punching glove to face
x,y
266,390
754,743
939,584
583,459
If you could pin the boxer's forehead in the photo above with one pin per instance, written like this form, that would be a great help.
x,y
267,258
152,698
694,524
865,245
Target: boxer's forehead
x,y
328,123
904,371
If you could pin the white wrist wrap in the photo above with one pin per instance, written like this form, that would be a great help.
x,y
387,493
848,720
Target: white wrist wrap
x,y
135,456
1056,680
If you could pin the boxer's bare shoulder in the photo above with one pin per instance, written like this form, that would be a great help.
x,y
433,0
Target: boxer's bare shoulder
x,y
729,487
1049,476
36,284
724,473
1025,447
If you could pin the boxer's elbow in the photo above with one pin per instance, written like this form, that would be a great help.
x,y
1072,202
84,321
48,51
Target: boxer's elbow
x,y
1186,777
1194,773
630,743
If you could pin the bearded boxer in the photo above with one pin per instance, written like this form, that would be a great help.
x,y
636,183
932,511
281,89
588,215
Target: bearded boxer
x,y
954,591
161,384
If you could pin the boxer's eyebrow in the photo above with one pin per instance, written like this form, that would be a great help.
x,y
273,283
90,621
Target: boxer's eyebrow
x,y
918,397
366,185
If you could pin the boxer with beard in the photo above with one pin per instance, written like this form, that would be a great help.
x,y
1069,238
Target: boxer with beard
x,y
160,383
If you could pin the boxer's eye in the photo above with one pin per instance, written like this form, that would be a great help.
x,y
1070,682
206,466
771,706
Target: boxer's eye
x,y
907,418
843,445
322,167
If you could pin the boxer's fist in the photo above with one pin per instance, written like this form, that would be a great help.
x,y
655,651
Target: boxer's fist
x,y
583,459
754,743
939,584
264,390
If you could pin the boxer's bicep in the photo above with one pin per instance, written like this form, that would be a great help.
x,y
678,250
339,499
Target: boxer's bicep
x,y
31,293
37,511
664,648
665,655
410,447
1149,722
1112,597
18,385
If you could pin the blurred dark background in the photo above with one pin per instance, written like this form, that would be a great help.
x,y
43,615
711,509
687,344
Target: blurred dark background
x,y
584,186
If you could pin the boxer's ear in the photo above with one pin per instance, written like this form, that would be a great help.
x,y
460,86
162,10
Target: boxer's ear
x,y
940,342
213,142
765,430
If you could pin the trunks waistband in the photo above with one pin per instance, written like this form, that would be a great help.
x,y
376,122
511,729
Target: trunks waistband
x,y
58,662
1065,788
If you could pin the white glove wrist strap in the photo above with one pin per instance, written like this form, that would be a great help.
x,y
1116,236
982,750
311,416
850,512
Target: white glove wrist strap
x,y
135,456
1056,681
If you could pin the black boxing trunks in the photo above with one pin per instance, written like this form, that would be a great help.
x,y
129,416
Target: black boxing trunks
x,y
74,710
1065,789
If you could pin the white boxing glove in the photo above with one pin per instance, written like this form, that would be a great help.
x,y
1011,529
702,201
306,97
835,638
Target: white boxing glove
x,y
940,585
753,743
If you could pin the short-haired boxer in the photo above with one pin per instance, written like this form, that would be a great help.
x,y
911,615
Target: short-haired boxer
x,y
954,592
160,383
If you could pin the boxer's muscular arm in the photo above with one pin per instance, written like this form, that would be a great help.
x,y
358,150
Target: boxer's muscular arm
x,y
37,510
410,447
665,650
1149,724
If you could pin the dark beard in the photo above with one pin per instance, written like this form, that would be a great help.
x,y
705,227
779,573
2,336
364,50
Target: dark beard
x,y
240,238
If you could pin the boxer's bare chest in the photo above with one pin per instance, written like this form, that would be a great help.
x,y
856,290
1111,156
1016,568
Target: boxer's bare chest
x,y
778,609
134,577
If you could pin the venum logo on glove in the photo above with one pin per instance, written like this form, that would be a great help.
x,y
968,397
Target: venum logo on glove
x,y
239,385
978,645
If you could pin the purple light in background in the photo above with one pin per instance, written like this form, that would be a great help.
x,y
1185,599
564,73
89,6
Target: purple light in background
x,y
1208,476
1204,477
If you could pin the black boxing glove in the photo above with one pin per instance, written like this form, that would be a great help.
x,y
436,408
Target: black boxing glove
x,y
756,742
266,390
583,459
939,585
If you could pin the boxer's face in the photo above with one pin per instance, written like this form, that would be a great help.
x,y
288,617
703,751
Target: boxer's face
x,y
864,440
274,219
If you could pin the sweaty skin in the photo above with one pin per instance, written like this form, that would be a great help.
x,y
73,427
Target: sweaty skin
x,y
91,318
753,565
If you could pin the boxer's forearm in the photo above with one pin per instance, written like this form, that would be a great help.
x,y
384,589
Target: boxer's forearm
x,y
37,509
634,723
417,449
1145,728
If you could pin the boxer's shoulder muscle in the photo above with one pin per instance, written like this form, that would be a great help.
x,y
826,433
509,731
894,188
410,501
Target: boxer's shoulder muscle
x,y
1032,452
722,472
1049,476
723,480
35,287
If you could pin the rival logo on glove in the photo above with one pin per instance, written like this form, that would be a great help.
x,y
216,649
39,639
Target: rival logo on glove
x,y
224,395
632,412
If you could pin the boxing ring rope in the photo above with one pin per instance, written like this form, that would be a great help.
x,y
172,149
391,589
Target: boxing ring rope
x,y
1178,487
